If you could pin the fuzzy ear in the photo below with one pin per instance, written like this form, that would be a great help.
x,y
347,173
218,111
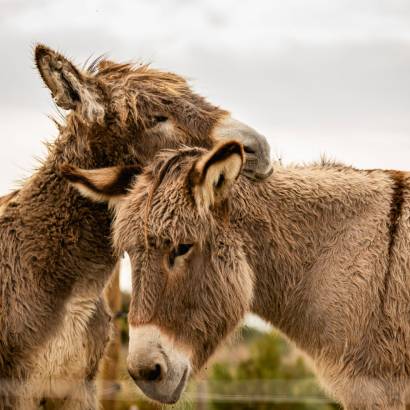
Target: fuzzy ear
x,y
71,89
103,184
212,176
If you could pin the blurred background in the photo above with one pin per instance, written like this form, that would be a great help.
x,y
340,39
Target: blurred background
x,y
315,76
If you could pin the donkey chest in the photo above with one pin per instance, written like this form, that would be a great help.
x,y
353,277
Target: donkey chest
x,y
66,356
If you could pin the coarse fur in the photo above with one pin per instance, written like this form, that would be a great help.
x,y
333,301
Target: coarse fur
x,y
320,251
5,200
55,250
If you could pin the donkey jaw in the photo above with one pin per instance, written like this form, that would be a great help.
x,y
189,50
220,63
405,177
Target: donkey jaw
x,y
158,367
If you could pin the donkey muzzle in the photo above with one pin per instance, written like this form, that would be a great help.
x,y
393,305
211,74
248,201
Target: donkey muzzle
x,y
257,150
157,366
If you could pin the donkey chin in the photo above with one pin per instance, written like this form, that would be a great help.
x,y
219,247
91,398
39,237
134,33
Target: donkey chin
x,y
158,367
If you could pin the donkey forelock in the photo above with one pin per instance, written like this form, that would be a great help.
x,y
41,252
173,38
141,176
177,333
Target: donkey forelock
x,y
170,168
150,86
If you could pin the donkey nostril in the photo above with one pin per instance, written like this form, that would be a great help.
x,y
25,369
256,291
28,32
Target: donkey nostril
x,y
151,374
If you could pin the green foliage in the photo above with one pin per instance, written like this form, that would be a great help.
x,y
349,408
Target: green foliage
x,y
268,372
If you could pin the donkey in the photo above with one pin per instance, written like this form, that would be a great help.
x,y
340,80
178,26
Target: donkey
x,y
322,252
55,250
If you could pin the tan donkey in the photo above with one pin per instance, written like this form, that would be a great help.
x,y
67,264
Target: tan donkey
x,y
322,252
55,250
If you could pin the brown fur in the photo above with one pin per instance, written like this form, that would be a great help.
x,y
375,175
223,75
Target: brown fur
x,y
322,252
55,252
6,199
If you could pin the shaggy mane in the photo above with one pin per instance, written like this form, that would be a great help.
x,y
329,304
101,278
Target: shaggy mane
x,y
103,68
167,162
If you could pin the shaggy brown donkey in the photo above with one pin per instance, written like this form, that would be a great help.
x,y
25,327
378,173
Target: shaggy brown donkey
x,y
55,251
322,252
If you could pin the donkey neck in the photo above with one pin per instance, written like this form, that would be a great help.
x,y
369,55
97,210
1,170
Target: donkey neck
x,y
68,236
83,226
298,220
72,233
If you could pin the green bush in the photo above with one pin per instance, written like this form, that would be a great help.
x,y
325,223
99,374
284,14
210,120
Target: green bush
x,y
269,372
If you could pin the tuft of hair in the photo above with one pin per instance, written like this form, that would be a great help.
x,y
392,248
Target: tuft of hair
x,y
330,162
93,65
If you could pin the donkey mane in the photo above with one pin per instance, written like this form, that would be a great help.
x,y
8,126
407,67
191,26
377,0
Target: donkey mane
x,y
167,165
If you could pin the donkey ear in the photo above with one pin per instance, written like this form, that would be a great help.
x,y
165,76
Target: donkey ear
x,y
213,175
71,89
103,184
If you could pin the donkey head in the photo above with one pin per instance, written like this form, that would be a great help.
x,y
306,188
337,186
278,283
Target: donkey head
x,y
191,283
120,113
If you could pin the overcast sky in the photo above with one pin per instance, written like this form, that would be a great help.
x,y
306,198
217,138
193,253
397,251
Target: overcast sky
x,y
315,76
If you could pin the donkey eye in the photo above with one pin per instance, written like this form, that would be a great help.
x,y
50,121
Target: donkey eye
x,y
160,118
182,249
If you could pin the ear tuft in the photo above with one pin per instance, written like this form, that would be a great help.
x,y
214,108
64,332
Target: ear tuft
x,y
213,174
103,184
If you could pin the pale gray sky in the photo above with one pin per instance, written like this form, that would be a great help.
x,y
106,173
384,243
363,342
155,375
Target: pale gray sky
x,y
315,76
